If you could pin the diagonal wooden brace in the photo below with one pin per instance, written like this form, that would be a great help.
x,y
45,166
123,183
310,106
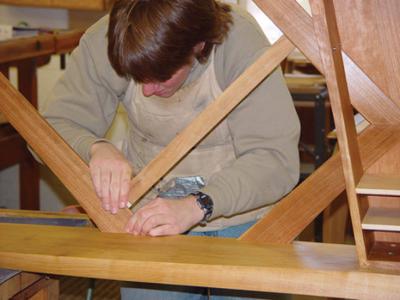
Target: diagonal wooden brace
x,y
208,119
58,156
297,25
74,173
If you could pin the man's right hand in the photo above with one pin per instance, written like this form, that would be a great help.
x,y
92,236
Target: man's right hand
x,y
111,174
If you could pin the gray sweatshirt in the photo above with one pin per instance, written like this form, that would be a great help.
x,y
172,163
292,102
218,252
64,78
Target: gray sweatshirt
x,y
265,127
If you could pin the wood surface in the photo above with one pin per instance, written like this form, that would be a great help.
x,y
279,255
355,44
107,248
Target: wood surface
x,y
26,54
301,268
324,18
294,212
297,25
66,41
17,283
371,38
58,156
383,219
45,218
2,119
335,220
41,214
43,289
100,5
13,149
21,48
25,47
208,119
379,185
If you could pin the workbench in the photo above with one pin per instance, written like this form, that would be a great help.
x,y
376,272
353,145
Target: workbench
x,y
27,54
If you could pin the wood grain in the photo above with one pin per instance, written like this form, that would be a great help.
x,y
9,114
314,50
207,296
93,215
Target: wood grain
x,y
379,185
301,268
17,283
297,25
298,209
324,18
371,38
70,4
26,47
384,219
58,156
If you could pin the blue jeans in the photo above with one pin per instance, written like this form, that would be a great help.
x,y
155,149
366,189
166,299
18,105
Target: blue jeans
x,y
144,291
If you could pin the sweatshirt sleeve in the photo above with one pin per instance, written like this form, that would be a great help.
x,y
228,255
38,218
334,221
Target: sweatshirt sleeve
x,y
264,127
83,102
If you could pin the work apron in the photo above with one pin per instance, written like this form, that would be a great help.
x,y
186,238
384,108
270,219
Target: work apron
x,y
154,121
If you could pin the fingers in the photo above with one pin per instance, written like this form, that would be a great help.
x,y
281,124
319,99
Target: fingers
x,y
164,217
163,230
136,222
153,225
95,173
125,180
114,190
111,174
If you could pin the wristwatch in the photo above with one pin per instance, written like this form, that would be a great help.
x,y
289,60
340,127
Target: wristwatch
x,y
206,204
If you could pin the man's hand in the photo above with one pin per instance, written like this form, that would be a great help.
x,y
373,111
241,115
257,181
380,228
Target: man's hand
x,y
111,174
165,217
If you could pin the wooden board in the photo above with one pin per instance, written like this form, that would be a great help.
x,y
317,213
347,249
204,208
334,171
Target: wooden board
x,y
44,218
301,268
379,185
26,47
16,283
58,156
371,38
383,219
298,209
297,25
69,4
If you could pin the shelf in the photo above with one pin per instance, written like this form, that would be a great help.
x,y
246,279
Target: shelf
x,y
388,185
382,219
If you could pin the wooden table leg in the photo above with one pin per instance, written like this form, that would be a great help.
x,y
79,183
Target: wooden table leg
x,y
335,220
29,169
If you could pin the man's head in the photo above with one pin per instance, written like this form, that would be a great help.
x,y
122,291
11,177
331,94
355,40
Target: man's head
x,y
151,40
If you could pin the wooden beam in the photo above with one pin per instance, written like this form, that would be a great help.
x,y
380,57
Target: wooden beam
x,y
301,268
99,5
297,25
298,209
325,27
58,156
208,119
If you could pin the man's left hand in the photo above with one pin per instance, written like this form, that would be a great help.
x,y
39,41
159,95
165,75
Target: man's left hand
x,y
165,217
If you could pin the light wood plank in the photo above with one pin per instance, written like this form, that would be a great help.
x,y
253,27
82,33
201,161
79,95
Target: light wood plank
x,y
301,268
325,27
41,214
382,219
58,156
208,119
373,184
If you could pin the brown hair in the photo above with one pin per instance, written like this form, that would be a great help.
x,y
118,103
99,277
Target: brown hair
x,y
149,40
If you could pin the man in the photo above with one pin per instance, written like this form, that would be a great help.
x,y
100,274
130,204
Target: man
x,y
165,61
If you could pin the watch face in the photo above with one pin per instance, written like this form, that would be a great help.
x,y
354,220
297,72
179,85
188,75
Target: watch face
x,y
205,203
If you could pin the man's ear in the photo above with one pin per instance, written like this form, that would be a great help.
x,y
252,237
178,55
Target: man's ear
x,y
198,47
